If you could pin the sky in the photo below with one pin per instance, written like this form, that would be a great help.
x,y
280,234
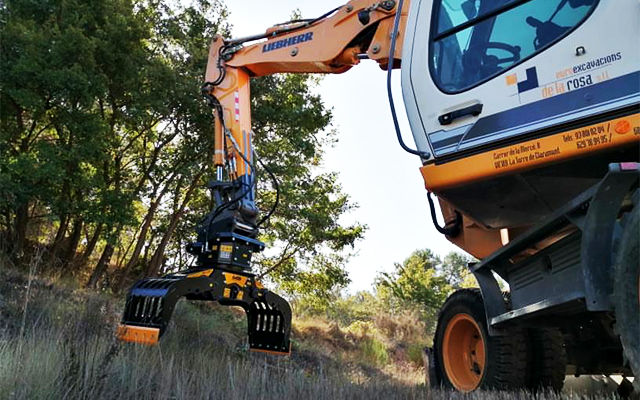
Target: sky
x,y
377,174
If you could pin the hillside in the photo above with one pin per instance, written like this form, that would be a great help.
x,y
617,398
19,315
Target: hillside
x,y
56,341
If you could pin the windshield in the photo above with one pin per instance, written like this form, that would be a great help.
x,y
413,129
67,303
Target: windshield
x,y
499,35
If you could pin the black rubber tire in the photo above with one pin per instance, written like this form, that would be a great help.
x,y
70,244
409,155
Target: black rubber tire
x,y
547,363
625,291
506,355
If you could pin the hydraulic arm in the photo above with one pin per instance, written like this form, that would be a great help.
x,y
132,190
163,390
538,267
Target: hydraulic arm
x,y
332,43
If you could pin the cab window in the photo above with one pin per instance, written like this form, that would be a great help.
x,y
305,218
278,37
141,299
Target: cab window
x,y
473,40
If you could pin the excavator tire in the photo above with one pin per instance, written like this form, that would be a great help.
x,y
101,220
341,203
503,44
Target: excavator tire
x,y
547,359
627,292
466,357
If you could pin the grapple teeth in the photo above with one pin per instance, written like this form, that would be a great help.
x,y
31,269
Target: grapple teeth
x,y
269,322
151,302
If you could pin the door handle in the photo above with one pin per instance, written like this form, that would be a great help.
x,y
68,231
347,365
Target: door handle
x,y
474,109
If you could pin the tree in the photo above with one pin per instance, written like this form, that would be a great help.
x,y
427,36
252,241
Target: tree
x,y
455,269
423,282
105,144
416,281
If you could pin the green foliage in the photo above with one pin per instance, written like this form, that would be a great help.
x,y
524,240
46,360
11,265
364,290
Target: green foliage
x,y
423,282
415,351
292,128
79,358
417,281
374,351
361,328
340,308
105,145
455,268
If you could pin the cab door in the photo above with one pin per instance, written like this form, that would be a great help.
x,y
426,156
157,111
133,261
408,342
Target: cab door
x,y
478,73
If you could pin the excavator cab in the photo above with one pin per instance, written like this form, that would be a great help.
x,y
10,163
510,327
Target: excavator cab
x,y
494,91
477,60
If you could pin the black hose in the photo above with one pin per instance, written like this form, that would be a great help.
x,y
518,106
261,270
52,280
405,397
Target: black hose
x,y
392,50
307,24
451,231
277,188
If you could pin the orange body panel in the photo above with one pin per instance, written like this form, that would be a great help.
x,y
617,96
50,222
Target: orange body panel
x,y
381,43
138,334
474,238
326,46
277,353
532,153
235,98
316,49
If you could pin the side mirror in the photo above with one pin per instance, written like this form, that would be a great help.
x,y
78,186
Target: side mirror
x,y
469,9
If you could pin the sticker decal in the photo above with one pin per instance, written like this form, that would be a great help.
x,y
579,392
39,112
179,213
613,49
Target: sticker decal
x,y
270,46
531,81
553,83
531,153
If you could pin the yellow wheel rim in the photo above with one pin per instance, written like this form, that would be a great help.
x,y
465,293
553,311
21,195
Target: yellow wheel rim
x,y
463,352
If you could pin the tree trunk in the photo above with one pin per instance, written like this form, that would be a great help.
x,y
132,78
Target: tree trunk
x,y
82,261
135,257
57,241
70,252
101,267
21,222
156,261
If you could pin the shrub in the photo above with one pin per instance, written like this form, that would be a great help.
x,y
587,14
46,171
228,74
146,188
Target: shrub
x,y
360,329
405,326
374,351
414,352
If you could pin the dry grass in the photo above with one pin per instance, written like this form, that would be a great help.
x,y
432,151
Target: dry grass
x,y
61,345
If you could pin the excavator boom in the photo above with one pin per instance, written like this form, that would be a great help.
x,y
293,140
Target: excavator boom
x,y
332,43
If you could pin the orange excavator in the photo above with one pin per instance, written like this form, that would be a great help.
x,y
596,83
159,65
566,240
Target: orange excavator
x,y
525,115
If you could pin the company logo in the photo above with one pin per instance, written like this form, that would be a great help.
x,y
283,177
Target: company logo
x,y
531,81
305,37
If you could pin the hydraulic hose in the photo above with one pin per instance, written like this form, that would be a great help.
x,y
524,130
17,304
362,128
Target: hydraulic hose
x,y
451,231
394,35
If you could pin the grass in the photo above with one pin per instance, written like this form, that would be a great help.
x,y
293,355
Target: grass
x,y
57,342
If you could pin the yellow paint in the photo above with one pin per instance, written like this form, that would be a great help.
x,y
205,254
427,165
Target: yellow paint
x,y
227,292
200,273
532,153
230,279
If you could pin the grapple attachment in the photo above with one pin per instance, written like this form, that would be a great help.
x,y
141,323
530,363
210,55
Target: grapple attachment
x,y
151,302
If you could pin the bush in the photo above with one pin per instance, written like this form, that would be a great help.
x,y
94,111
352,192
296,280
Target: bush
x,y
361,329
374,351
406,326
414,352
